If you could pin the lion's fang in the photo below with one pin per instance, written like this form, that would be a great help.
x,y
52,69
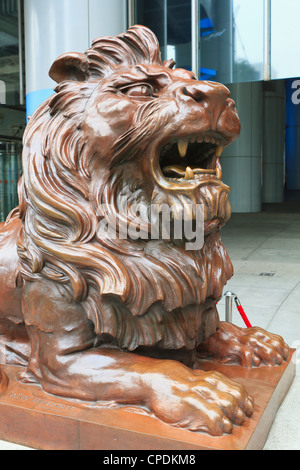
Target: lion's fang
x,y
182,147
219,151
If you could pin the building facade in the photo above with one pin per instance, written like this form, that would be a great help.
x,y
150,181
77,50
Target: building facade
x,y
249,45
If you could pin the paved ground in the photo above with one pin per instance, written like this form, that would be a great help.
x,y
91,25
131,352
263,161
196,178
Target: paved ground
x,y
265,250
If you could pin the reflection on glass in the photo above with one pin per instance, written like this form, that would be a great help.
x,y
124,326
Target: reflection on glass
x,y
231,35
170,20
285,44
9,53
248,28
231,40
216,40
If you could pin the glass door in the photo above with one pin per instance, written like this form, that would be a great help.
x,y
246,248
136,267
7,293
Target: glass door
x,y
10,173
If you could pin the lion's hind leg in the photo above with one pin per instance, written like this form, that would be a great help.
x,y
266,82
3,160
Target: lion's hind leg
x,y
14,343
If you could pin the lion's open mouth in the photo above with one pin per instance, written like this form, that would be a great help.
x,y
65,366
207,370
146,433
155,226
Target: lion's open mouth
x,y
190,159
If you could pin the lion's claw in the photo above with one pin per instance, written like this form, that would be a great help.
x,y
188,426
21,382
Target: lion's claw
x,y
247,347
200,401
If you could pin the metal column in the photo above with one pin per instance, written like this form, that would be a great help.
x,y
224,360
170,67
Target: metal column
x,y
267,40
195,38
228,306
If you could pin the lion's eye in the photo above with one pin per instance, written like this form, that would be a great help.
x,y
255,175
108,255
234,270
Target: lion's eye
x,y
140,91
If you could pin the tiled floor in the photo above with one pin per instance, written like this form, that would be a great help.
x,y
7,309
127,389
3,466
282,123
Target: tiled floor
x,y
265,250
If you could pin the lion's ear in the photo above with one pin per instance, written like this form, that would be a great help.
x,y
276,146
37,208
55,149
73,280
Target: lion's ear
x,y
71,66
170,64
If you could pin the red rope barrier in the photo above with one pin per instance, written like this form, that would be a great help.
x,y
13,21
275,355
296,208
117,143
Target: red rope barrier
x,y
242,313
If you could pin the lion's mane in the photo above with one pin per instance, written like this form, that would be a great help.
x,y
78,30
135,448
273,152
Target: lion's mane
x,y
135,293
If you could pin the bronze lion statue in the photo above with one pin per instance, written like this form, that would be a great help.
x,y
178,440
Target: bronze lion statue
x,y
92,316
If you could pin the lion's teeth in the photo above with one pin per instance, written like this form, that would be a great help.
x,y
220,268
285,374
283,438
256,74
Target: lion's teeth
x,y
182,147
189,174
219,151
219,172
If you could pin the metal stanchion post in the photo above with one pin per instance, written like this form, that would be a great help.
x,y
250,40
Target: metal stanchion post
x,y
228,306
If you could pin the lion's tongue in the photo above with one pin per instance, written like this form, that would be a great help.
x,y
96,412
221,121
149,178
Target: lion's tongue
x,y
179,172
187,173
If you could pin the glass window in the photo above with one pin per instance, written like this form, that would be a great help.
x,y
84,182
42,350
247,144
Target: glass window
x,y
9,53
170,20
232,35
248,31
10,172
285,44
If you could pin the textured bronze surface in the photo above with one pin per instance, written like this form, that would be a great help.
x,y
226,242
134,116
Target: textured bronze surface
x,y
100,318
3,381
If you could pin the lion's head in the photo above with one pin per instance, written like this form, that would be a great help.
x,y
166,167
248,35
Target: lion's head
x,y
125,126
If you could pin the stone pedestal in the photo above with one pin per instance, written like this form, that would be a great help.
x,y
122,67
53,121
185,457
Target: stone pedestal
x,y
33,418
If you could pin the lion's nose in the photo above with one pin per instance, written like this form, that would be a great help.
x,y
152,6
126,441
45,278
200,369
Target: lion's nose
x,y
207,91
212,95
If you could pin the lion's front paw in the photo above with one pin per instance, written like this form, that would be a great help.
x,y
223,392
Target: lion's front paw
x,y
245,346
200,401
